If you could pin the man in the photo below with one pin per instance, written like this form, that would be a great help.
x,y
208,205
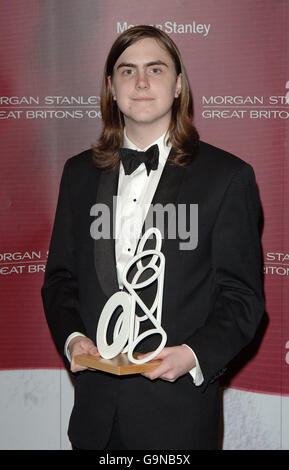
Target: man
x,y
212,299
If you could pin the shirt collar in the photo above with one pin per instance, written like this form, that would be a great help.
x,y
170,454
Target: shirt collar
x,y
164,149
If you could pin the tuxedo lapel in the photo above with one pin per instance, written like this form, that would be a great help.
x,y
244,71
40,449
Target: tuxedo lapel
x,y
104,248
169,185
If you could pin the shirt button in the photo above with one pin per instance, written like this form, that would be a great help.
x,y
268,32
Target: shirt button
x,y
128,249
134,200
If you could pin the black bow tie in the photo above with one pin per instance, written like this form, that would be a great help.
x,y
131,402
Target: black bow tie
x,y
131,159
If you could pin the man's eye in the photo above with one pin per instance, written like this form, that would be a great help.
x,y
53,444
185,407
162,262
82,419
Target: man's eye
x,y
127,72
156,70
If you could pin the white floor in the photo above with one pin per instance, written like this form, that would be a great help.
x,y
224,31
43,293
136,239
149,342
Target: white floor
x,y
35,408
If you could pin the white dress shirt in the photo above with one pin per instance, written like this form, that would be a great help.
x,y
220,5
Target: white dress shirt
x,y
135,194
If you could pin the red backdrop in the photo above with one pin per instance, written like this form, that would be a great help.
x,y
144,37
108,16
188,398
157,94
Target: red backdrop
x,y
52,56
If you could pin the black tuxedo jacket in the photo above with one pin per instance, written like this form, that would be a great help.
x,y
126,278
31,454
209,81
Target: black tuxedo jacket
x,y
213,298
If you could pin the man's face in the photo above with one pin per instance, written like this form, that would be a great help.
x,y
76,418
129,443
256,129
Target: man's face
x,y
145,83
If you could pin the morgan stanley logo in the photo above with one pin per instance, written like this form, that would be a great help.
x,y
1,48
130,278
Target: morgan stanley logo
x,y
175,222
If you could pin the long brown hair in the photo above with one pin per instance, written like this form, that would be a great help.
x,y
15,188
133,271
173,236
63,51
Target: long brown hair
x,y
182,134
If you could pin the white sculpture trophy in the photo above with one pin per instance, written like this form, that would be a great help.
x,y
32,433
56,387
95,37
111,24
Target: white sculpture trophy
x,y
118,357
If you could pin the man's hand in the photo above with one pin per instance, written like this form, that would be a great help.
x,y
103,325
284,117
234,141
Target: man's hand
x,y
81,345
176,361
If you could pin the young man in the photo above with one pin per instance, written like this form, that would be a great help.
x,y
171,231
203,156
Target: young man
x,y
212,299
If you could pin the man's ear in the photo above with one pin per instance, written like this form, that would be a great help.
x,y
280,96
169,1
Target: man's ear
x,y
178,85
111,86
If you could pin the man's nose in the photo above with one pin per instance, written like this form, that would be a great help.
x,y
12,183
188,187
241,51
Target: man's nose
x,y
142,80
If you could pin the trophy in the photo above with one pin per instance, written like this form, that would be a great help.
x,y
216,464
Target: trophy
x,y
120,357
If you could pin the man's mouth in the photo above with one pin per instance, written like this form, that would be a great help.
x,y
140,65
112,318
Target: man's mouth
x,y
142,99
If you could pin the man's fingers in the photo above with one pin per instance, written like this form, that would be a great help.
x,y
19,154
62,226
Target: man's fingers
x,y
161,355
177,361
158,372
82,347
142,356
93,351
76,367
161,369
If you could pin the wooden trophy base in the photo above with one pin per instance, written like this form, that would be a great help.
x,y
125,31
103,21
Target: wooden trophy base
x,y
119,365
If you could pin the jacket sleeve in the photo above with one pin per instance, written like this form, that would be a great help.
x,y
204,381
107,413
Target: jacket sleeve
x,y
60,289
237,267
